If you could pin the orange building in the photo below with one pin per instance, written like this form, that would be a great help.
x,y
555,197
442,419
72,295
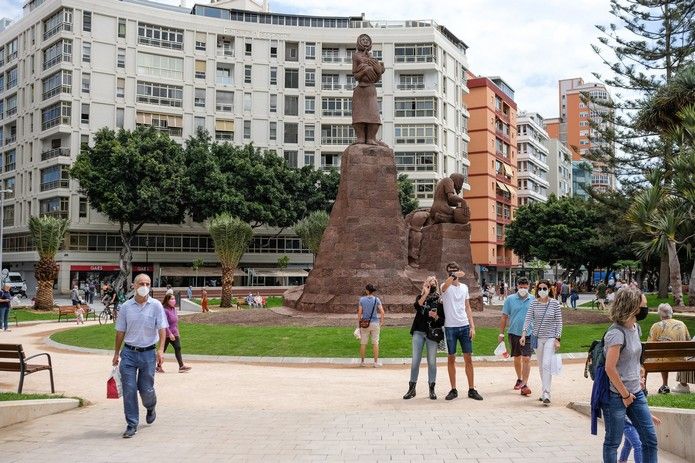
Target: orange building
x,y
492,174
552,126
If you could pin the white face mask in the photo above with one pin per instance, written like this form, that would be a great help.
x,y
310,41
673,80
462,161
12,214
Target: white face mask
x,y
523,292
143,291
543,292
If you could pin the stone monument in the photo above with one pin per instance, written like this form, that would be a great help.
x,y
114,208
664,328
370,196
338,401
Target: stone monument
x,y
367,240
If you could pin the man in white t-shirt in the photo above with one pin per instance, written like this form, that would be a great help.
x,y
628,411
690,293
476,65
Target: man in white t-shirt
x,y
458,328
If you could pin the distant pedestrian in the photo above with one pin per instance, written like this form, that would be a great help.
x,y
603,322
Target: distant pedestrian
x,y
258,301
172,333
558,289
601,295
515,308
92,288
574,295
545,316
75,295
370,318
5,299
189,292
564,293
204,301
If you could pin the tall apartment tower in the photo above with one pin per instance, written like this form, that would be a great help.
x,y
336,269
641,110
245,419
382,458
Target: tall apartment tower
x,y
533,179
493,179
282,81
580,104
559,168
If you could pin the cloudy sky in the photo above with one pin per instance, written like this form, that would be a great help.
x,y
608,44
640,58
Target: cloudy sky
x,y
530,43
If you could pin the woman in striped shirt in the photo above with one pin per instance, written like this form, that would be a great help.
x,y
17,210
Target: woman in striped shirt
x,y
545,319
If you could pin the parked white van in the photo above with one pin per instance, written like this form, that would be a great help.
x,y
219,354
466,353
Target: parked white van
x,y
17,284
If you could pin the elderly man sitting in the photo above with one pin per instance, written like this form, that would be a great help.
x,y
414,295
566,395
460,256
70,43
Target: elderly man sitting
x,y
669,329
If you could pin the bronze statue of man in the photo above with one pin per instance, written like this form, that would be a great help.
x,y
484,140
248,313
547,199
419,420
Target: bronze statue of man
x,y
448,206
367,71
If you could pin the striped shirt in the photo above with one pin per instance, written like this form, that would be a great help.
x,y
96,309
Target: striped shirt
x,y
545,318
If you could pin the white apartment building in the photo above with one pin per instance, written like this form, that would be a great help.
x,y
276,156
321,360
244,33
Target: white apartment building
x,y
559,168
532,161
281,81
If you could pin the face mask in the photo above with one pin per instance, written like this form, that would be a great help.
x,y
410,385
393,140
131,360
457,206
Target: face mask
x,y
543,292
523,292
143,291
642,314
172,302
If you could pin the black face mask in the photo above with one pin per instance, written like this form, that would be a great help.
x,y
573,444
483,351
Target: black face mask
x,y
643,312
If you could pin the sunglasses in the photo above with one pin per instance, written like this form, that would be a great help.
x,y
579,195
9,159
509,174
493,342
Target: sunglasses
x,y
541,288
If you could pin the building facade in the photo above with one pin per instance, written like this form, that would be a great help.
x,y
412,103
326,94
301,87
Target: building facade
x,y
533,179
559,168
493,197
581,178
283,82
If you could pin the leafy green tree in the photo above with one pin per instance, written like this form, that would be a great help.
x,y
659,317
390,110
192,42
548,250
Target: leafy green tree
x,y
133,178
311,228
231,237
406,194
47,233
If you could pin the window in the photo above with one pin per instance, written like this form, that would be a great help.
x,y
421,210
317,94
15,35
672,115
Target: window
x,y
309,105
59,113
11,105
273,75
8,216
167,67
120,116
87,21
416,107
247,47
330,161
121,27
309,158
225,101
310,50
291,136
84,206
331,106
330,82
309,132
167,123
310,78
416,134
291,105
273,130
61,20
60,82
86,82
199,98
200,69
290,158
424,188
198,122
120,87
224,130
247,74
56,207
273,103
273,48
415,53
59,51
224,75
55,177
247,129
159,94
10,160
84,114
159,36
120,59
247,102
86,52
200,41
291,78
337,134
291,51
418,161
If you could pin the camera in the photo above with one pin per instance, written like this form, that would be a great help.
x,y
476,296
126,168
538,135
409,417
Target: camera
x,y
453,275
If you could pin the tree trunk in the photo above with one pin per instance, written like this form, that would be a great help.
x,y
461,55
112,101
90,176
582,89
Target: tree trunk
x,y
663,276
125,261
691,286
44,295
675,273
227,282
590,279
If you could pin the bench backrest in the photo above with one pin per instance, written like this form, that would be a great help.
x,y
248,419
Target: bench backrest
x,y
668,349
11,355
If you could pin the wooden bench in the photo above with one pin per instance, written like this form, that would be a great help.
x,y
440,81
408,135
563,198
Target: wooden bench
x,y
681,355
67,310
12,358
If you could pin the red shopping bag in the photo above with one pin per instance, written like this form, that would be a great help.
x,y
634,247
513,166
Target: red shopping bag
x,y
113,384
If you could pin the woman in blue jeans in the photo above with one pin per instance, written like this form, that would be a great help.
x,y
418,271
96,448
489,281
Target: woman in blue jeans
x,y
623,370
428,312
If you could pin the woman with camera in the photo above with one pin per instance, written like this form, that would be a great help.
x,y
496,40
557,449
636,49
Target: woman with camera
x,y
426,331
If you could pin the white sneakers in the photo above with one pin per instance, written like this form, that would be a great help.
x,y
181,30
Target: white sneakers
x,y
682,389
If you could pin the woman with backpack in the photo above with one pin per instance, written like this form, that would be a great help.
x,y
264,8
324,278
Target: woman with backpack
x,y
426,331
622,349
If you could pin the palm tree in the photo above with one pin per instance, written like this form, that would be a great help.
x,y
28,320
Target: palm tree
x,y
47,234
231,237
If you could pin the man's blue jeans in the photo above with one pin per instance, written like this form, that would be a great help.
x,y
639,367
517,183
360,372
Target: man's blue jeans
x,y
4,315
614,419
419,340
137,374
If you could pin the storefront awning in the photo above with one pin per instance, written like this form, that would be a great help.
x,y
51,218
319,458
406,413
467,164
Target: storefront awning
x,y
202,272
278,273
95,268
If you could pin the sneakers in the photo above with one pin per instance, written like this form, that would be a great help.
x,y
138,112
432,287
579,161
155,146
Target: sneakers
x,y
129,432
452,395
151,415
525,390
546,402
473,394
682,388
518,384
664,389
184,369
377,365
362,364
159,369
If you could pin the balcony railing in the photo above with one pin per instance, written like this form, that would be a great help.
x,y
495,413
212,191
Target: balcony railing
x,y
155,100
224,108
415,86
54,153
67,57
224,136
160,43
330,166
415,59
503,219
225,52
62,183
11,112
10,193
57,213
503,198
56,91
55,121
336,58
504,261
64,26
9,167
337,140
11,139
225,80
172,131
336,112
11,84
331,86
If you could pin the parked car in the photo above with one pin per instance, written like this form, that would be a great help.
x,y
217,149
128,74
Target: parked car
x,y
17,284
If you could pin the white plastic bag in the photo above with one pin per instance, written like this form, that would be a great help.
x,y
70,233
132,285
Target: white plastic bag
x,y
114,388
501,350
556,365
357,334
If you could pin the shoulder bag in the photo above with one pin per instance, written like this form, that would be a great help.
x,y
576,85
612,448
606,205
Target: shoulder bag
x,y
365,323
534,337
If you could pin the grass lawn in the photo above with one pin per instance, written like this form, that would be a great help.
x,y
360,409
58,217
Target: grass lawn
x,y
6,396
24,315
672,400
271,301
653,300
317,341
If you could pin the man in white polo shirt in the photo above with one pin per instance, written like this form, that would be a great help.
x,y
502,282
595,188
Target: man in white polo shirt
x,y
458,328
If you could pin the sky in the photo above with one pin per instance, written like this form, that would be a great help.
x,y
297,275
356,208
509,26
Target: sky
x,y
531,44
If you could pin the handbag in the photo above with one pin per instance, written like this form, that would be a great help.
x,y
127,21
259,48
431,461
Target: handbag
x,y
434,333
534,338
364,323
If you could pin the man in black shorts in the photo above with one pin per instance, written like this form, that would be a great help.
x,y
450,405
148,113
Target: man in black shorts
x,y
514,310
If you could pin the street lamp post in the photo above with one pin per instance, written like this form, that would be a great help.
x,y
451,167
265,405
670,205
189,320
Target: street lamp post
x,y
2,223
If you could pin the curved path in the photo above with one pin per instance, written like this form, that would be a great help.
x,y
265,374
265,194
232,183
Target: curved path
x,y
240,412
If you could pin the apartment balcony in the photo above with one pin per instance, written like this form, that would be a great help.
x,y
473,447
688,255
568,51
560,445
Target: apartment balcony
x,y
337,140
67,57
500,240
160,43
330,166
224,80
503,157
503,135
10,193
54,153
224,108
62,183
502,115
336,113
11,139
9,167
66,120
57,91
159,101
333,86
415,59
337,59
64,26
503,219
11,112
504,199
225,52
504,261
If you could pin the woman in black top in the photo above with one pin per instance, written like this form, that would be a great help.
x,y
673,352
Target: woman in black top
x,y
429,313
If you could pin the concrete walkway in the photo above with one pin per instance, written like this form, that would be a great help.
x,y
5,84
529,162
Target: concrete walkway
x,y
241,412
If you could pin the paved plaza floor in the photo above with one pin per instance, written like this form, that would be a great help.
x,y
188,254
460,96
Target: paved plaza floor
x,y
251,412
